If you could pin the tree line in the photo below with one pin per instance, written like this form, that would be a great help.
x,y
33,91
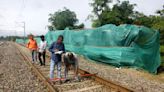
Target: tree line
x,y
121,13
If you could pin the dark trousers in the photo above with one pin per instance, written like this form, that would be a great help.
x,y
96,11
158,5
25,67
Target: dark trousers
x,y
43,55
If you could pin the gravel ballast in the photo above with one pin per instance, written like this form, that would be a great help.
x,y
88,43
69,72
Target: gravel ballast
x,y
138,81
15,74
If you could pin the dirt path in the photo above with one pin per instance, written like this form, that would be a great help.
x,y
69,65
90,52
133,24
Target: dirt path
x,y
15,75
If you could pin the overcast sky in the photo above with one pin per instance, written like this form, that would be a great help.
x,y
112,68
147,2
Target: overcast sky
x,y
35,13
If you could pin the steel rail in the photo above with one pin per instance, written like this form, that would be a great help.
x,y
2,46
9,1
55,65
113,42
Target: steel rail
x,y
116,87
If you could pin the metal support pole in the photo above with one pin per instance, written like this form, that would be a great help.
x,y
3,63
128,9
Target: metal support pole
x,y
24,31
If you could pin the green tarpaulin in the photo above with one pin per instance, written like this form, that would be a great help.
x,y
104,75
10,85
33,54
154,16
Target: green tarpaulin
x,y
124,45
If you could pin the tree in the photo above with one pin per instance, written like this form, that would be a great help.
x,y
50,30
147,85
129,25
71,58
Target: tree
x,y
99,6
120,13
50,28
62,19
141,19
81,26
159,24
161,12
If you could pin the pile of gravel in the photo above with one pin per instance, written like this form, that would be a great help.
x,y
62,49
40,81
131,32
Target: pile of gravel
x,y
15,75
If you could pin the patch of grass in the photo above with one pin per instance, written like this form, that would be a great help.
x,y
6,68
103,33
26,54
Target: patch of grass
x,y
161,68
162,54
162,59
162,48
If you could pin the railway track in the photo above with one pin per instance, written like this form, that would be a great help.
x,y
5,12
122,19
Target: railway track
x,y
89,83
3,43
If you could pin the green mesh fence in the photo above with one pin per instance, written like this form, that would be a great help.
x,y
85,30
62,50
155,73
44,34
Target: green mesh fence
x,y
124,45
21,41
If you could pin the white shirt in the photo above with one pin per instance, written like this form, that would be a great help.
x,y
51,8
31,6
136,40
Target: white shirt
x,y
42,46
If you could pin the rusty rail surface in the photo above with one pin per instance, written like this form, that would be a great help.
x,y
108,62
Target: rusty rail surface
x,y
39,74
107,83
114,86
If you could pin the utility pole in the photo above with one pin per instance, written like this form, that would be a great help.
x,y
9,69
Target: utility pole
x,y
24,30
24,26
15,32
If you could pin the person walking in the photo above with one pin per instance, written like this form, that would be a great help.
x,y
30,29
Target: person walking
x,y
56,49
32,45
42,50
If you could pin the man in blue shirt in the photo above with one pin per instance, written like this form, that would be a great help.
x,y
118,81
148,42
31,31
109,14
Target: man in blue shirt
x,y
56,49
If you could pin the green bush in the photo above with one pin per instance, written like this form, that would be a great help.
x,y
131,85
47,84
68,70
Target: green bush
x,y
162,55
